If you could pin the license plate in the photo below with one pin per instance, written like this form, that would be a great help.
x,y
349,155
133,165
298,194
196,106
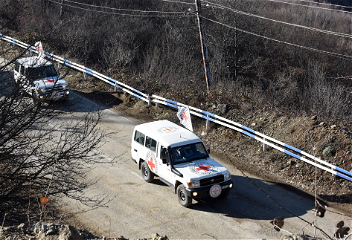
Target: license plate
x,y
226,186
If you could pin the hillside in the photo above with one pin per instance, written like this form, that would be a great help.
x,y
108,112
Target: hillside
x,y
282,70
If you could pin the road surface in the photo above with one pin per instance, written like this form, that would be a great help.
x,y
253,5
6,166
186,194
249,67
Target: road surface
x,y
138,209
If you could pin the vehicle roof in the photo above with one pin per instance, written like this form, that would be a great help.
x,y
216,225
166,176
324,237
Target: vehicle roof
x,y
168,133
33,62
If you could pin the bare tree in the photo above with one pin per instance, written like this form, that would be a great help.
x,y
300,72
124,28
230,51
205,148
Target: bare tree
x,y
39,154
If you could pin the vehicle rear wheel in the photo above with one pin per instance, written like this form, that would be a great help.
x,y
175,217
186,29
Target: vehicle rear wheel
x,y
147,175
183,198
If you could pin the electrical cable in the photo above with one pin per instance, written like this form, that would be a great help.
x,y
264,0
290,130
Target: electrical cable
x,y
321,3
173,1
346,57
302,5
180,14
121,9
277,203
286,23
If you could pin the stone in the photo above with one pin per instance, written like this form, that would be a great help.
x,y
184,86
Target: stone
x,y
69,232
321,124
333,127
329,151
314,118
223,108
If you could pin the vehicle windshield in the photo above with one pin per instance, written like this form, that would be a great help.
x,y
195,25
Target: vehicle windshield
x,y
188,153
41,72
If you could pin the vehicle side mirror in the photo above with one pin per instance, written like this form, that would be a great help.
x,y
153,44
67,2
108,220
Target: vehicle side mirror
x,y
208,150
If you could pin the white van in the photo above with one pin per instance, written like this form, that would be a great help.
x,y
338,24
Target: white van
x,y
178,157
39,78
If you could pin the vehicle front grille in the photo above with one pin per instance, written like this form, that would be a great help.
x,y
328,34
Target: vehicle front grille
x,y
211,180
49,91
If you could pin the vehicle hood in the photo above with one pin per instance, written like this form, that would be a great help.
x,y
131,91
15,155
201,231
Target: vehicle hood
x,y
199,169
49,82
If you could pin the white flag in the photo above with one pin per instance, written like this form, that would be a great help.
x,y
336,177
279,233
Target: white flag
x,y
40,49
185,117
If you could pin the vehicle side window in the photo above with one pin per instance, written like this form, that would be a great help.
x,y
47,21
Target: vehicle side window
x,y
150,143
162,152
17,67
22,71
139,137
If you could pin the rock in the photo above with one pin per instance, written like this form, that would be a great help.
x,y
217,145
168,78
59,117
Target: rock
x,y
223,108
333,127
314,118
253,124
69,232
156,236
295,237
329,151
322,124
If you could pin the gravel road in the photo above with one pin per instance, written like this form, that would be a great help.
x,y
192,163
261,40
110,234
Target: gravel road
x,y
137,209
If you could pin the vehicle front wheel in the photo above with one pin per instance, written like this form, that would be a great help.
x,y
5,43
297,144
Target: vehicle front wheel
x,y
147,175
183,198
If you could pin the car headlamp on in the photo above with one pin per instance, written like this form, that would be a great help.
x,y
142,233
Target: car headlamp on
x,y
227,176
193,183
41,90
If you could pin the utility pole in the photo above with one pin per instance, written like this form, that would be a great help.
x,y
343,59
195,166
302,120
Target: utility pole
x,y
204,46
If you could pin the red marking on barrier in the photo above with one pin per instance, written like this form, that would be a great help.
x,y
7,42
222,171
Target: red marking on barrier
x,y
184,115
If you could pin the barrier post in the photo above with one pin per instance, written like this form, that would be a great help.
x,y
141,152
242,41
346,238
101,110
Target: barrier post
x,y
264,146
85,75
207,124
149,101
116,87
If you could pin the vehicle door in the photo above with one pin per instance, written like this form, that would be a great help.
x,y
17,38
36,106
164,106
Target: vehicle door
x,y
150,153
137,146
164,167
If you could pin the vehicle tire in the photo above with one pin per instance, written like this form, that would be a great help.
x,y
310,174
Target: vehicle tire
x,y
183,198
147,175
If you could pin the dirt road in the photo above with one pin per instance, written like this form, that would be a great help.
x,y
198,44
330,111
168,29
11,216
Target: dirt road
x,y
137,209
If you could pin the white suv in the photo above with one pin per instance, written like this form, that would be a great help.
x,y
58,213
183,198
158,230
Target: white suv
x,y
179,158
39,78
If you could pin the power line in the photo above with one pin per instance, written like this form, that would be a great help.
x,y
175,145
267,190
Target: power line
x,y
116,9
329,4
346,57
277,203
277,21
174,1
302,5
121,9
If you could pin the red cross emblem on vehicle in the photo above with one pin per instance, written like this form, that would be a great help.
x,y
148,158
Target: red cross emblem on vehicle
x,y
215,191
204,168
50,81
151,164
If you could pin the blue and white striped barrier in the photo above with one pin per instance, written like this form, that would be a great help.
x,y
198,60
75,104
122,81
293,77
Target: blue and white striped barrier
x,y
260,137
83,69
197,112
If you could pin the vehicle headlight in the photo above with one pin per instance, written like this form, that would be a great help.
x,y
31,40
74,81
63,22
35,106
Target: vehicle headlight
x,y
227,176
193,183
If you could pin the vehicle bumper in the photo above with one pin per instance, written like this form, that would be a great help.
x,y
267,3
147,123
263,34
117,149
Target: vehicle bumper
x,y
203,192
56,95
